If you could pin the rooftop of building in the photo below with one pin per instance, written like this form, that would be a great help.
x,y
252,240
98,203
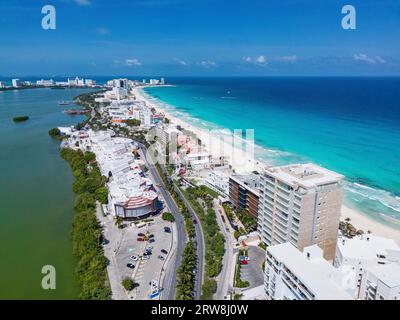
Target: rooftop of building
x,y
389,274
316,273
250,181
366,247
307,175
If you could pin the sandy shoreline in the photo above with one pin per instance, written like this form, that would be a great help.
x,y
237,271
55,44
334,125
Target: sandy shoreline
x,y
243,162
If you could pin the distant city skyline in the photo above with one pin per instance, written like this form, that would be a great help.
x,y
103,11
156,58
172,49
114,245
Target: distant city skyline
x,y
199,38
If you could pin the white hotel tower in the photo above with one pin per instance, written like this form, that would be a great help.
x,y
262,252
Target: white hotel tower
x,y
300,204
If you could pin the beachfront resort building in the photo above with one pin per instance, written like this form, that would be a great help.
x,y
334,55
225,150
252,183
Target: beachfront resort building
x,y
294,275
2,84
219,182
367,252
300,204
244,192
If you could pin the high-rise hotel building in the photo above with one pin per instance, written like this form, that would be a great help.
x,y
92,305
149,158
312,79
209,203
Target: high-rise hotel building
x,y
300,204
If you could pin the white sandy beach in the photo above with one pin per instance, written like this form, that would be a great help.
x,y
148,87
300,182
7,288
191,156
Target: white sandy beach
x,y
244,162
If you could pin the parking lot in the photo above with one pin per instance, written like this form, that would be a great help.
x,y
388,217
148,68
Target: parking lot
x,y
145,270
252,272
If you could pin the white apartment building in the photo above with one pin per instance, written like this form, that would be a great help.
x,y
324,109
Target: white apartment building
x,y
294,275
43,82
381,282
76,82
16,83
2,84
365,251
90,82
300,204
199,160
219,182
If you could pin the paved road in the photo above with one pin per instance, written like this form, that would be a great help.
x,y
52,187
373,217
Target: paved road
x,y
201,252
170,278
170,275
224,279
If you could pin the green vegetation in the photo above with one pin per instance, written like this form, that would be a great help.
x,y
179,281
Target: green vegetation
x,y
239,283
101,195
237,296
20,118
228,211
167,216
185,276
208,289
133,122
248,221
201,199
129,284
86,230
54,133
262,245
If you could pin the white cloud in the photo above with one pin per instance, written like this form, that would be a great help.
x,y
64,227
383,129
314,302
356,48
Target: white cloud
x,y
181,62
208,64
103,31
247,59
132,63
288,59
83,2
261,60
371,60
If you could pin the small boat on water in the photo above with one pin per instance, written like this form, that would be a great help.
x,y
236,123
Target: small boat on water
x,y
64,103
74,112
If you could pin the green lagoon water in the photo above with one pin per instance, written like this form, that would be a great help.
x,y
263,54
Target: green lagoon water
x,y
36,200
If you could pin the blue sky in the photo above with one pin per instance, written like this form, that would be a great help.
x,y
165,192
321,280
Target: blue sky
x,y
199,37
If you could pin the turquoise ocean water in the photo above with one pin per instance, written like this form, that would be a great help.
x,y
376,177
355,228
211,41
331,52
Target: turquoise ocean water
x,y
349,125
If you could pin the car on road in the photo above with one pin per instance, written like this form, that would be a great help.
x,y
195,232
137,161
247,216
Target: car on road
x,y
152,240
167,229
149,248
140,239
141,235
161,257
145,257
131,265
244,262
134,258
244,258
164,251
151,236
194,221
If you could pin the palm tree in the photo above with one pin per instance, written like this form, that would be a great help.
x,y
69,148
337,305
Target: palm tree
x,y
118,221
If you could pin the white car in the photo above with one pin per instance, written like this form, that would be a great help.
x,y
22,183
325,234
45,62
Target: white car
x,y
134,258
